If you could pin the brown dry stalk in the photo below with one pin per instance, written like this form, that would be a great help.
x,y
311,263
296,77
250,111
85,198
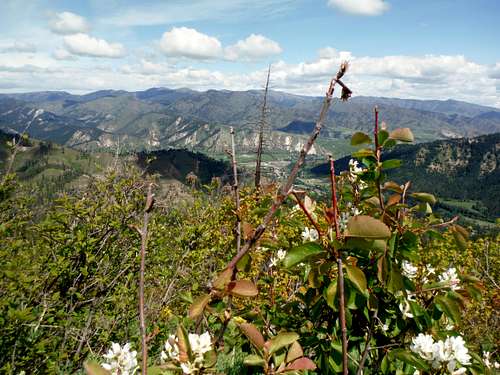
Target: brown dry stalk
x,y
287,186
261,133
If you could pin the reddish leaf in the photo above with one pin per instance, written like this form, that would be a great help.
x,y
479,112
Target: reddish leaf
x,y
242,288
303,363
253,334
198,306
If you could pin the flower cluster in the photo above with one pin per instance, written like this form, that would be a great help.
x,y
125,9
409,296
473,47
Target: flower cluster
x,y
450,278
347,214
280,255
353,175
309,235
120,360
449,353
409,270
488,362
200,344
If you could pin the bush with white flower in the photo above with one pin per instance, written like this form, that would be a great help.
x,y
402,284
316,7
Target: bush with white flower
x,y
120,360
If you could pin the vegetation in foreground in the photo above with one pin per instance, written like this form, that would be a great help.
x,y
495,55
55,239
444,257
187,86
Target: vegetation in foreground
x,y
371,282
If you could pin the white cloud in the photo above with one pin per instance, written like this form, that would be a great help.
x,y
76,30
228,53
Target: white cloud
x,y
17,46
62,54
85,45
68,23
186,42
360,7
253,47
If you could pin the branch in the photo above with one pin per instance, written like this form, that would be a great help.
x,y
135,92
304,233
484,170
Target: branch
x,y
377,155
144,243
261,133
301,205
286,187
335,208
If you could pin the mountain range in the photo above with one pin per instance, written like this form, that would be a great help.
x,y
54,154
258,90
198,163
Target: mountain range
x,y
161,118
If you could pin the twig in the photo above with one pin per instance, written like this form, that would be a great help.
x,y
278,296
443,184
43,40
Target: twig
x,y
340,271
236,191
308,214
367,344
377,155
286,187
333,183
144,243
342,315
261,133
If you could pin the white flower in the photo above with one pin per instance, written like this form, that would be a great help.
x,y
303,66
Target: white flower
x,y
120,360
188,368
409,270
309,235
405,309
172,349
460,351
450,277
273,262
423,345
354,168
200,344
487,361
281,254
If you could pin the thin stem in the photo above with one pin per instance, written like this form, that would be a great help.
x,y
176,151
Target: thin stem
x,y
342,315
236,191
144,243
261,133
377,155
333,182
308,214
367,344
286,187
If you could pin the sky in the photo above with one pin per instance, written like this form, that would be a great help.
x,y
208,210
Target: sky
x,y
421,49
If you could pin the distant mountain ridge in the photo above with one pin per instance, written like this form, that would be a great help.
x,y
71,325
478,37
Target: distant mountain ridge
x,y
160,118
457,169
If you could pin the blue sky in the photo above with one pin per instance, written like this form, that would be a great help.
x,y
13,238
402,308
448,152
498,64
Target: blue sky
x,y
422,49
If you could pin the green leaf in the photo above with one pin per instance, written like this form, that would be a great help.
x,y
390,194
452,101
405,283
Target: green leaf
x,y
391,163
450,307
367,227
410,358
402,134
330,293
395,282
382,136
253,334
199,305
363,153
242,288
254,360
94,368
425,197
357,277
301,253
360,138
281,340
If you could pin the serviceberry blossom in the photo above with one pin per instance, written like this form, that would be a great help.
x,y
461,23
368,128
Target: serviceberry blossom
x,y
451,353
309,235
450,277
120,360
353,175
280,255
200,344
409,270
345,215
487,361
